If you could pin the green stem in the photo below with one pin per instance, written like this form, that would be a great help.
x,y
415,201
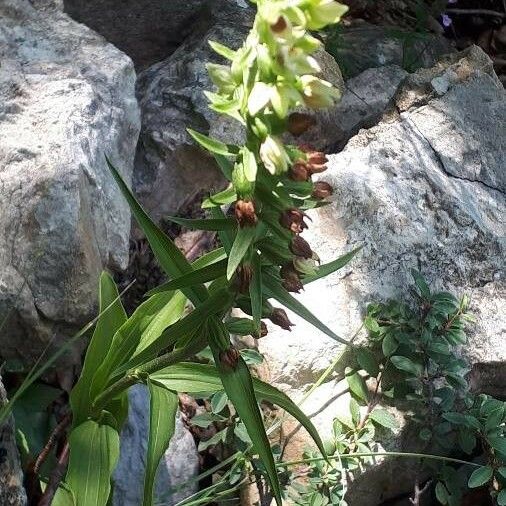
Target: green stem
x,y
136,375
379,454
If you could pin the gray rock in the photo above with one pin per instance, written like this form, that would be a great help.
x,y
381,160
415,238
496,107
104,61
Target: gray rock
x,y
169,167
422,189
362,45
12,492
66,99
180,463
146,31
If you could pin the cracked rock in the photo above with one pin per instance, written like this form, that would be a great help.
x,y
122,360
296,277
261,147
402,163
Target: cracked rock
x,y
66,99
422,189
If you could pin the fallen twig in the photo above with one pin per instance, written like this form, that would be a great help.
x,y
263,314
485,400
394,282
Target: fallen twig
x,y
55,478
53,438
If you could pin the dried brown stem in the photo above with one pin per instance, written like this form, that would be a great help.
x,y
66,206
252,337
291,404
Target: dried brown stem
x,y
55,478
53,439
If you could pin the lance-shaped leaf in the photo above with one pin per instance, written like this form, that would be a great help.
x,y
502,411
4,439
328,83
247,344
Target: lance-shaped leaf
x,y
163,405
213,145
218,303
126,340
209,224
203,275
326,269
238,384
112,317
197,378
166,252
242,242
222,50
224,197
275,290
94,451
255,290
226,236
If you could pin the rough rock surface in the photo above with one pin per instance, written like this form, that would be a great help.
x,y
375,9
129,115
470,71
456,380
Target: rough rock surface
x,y
422,189
362,45
180,463
66,98
146,31
12,492
169,167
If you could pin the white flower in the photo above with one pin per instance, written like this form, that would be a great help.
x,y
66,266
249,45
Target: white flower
x,y
318,93
273,155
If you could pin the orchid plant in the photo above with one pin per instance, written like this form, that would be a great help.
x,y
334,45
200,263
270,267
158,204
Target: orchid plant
x,y
262,257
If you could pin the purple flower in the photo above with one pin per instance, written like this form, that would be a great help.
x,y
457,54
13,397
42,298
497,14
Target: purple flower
x,y
446,20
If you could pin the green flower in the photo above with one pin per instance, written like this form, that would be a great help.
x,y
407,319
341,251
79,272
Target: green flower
x,y
274,156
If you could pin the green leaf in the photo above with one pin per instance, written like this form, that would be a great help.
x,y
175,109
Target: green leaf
x,y
384,418
203,275
252,357
94,451
242,242
275,290
501,498
112,317
196,378
498,443
421,284
327,269
219,401
367,361
467,441
166,252
462,419
250,164
224,197
186,328
222,50
163,406
441,493
389,345
212,145
205,224
480,476
239,387
255,290
407,365
357,385
502,471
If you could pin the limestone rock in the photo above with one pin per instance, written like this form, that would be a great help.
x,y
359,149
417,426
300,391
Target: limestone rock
x,y
66,99
423,189
12,492
362,45
180,463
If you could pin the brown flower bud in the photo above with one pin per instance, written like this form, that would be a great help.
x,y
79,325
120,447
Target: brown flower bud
x,y
280,25
263,331
244,274
299,122
245,213
317,158
291,280
280,318
300,247
293,220
299,172
229,358
322,190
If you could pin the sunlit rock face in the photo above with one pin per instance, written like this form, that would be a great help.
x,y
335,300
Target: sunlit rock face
x,y
66,100
424,189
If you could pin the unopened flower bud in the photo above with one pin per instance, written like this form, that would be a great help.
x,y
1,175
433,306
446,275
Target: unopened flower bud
x,y
299,172
300,247
321,13
245,213
291,280
293,220
244,274
299,122
322,190
280,318
230,358
305,265
263,331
